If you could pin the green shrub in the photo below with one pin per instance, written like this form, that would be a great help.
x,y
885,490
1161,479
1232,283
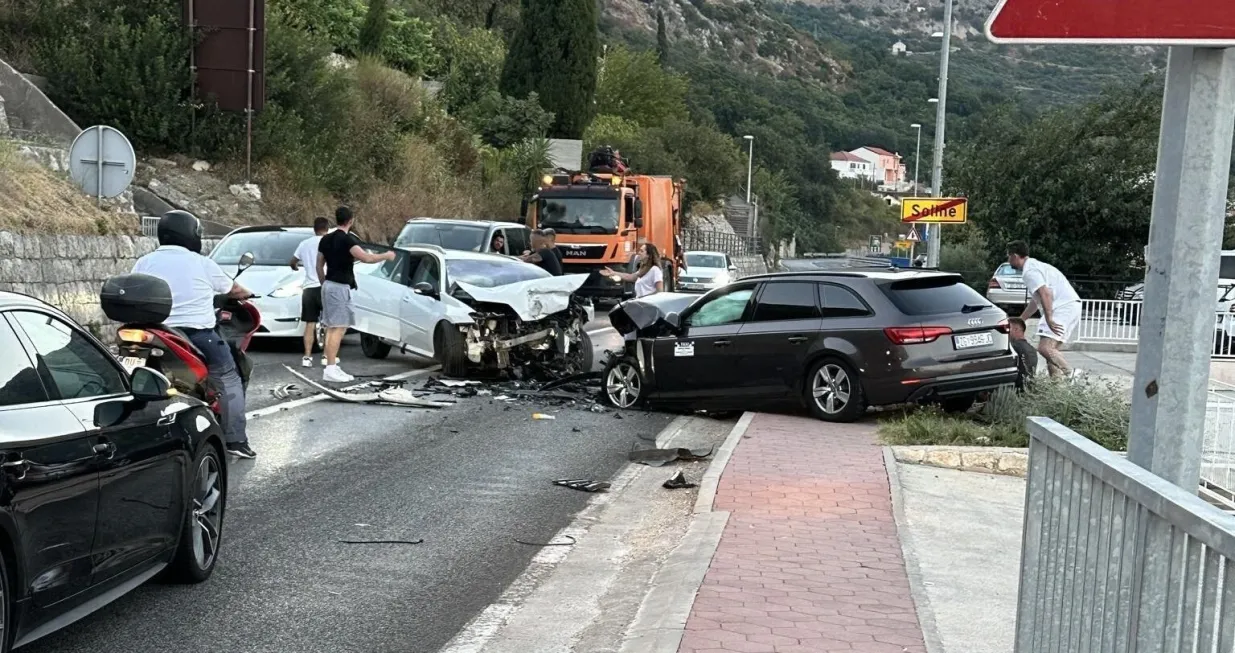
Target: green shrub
x,y
1098,410
503,121
473,65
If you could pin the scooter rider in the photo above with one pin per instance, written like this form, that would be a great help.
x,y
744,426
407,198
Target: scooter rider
x,y
194,281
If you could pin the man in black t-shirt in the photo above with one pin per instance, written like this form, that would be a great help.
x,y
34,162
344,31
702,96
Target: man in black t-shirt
x,y
543,254
339,250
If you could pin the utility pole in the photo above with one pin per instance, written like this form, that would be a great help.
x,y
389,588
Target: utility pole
x,y
750,164
917,157
941,113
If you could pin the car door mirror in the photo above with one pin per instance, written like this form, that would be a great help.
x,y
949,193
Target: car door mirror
x,y
426,289
674,320
149,385
638,213
246,262
733,269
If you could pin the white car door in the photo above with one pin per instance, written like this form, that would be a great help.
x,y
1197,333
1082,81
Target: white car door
x,y
419,314
378,298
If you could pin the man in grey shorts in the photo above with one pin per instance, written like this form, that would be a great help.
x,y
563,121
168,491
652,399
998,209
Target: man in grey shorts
x,y
340,249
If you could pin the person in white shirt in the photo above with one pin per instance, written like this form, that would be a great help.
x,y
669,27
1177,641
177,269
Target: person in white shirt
x,y
648,278
194,281
1050,291
311,297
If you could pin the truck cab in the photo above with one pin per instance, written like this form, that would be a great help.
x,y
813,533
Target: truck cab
x,y
602,218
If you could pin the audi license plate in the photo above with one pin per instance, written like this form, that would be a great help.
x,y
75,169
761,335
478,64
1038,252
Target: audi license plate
x,y
131,363
971,340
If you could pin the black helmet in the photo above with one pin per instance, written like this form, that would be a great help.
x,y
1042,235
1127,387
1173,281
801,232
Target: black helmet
x,y
181,228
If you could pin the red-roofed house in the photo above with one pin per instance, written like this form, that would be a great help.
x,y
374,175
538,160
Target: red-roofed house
x,y
851,166
887,167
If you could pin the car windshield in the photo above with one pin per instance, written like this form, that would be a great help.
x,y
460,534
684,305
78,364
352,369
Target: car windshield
x,y
933,295
580,215
268,247
705,260
468,238
491,273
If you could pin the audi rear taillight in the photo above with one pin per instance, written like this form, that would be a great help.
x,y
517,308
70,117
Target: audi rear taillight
x,y
994,283
916,335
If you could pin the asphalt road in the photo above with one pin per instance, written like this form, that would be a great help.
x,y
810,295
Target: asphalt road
x,y
469,480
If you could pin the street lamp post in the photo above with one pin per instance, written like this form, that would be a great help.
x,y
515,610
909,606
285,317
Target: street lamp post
x,y
750,163
941,112
917,157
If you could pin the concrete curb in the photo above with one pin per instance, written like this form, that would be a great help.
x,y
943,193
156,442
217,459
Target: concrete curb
x,y
661,620
989,460
711,478
917,585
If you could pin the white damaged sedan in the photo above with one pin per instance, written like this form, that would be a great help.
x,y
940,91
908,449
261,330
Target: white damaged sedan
x,y
472,311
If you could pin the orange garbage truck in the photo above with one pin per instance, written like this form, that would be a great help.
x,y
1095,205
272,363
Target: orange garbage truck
x,y
602,216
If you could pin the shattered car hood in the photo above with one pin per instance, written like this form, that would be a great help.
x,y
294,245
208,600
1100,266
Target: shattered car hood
x,y
531,300
639,314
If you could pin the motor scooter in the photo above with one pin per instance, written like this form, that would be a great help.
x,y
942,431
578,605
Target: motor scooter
x,y
143,341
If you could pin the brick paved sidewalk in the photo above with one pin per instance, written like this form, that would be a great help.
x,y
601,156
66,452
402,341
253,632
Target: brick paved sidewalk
x,y
810,561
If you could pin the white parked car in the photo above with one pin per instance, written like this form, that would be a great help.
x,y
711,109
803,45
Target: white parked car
x,y
706,271
1006,289
278,287
471,310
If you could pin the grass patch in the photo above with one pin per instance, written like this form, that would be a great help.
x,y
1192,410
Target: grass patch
x,y
35,199
1098,410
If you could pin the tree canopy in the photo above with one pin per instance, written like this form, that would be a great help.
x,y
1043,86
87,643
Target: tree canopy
x,y
554,53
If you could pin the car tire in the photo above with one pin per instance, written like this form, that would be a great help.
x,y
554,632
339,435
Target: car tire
x,y
373,347
451,352
833,391
587,359
958,405
622,384
193,563
6,606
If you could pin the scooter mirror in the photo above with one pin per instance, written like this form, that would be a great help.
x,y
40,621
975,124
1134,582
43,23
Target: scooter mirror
x,y
246,261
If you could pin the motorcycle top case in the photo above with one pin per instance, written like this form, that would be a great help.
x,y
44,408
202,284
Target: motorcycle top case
x,y
136,299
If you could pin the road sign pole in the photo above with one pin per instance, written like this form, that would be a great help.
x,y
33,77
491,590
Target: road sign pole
x,y
941,116
1189,208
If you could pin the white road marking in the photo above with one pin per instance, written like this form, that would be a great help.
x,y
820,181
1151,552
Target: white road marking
x,y
304,401
477,634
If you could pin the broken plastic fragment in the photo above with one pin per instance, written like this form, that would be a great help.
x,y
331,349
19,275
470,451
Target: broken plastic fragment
x,y
678,481
584,484
542,416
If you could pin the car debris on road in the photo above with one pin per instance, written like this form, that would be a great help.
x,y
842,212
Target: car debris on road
x,y
387,394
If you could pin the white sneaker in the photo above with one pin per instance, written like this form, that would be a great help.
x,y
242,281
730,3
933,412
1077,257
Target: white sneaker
x,y
307,361
334,374
326,364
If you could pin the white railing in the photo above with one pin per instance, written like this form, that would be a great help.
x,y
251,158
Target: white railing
x,y
150,224
1118,322
1218,456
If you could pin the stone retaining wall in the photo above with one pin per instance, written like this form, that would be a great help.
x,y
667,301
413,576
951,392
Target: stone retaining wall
x,y
68,271
992,460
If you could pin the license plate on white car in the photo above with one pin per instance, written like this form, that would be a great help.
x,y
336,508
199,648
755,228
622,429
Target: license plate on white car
x,y
130,363
971,340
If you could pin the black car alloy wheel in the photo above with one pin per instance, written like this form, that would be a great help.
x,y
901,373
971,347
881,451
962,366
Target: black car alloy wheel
x,y
623,384
207,512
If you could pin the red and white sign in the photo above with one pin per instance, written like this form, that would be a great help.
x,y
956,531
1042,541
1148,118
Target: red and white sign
x,y
1202,23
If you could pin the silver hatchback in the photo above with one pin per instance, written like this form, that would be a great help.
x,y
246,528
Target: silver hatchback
x,y
1006,289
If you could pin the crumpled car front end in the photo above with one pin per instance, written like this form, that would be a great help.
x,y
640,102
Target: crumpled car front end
x,y
535,325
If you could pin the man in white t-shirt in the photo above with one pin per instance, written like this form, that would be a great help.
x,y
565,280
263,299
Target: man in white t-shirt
x,y
311,299
1050,291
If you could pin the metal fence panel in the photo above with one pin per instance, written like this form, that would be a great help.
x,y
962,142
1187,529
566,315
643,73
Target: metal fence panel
x,y
1116,559
712,240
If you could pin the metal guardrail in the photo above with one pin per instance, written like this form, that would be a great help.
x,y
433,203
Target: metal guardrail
x,y
711,240
1116,321
1114,558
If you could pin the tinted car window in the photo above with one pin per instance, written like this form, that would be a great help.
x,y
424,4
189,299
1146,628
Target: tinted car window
x,y
19,382
77,368
786,301
517,241
706,261
725,309
932,295
492,273
267,247
449,236
841,302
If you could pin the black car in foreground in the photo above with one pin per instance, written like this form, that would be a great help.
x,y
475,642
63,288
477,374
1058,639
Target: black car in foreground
x,y
840,341
106,479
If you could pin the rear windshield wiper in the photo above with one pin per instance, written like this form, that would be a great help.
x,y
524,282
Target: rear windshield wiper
x,y
972,308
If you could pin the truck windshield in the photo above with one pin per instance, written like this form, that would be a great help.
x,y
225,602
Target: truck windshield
x,y
580,215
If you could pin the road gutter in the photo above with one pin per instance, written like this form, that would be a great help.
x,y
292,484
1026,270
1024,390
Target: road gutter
x,y
917,585
661,621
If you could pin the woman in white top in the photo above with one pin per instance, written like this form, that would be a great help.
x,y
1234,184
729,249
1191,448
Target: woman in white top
x,y
649,279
